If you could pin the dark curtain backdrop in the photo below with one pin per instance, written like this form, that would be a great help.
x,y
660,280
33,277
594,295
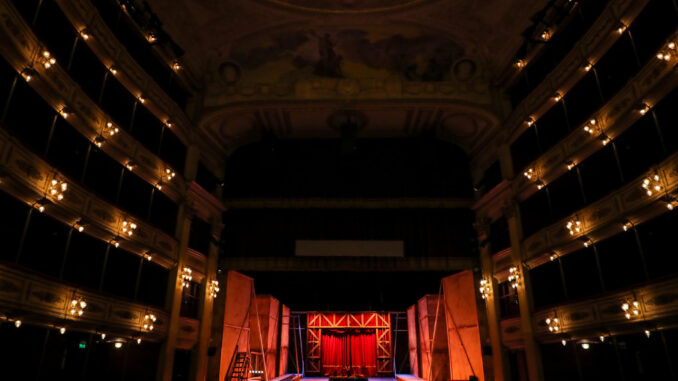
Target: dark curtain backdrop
x,y
349,353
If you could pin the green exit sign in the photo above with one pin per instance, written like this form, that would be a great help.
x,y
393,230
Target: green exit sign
x,y
82,345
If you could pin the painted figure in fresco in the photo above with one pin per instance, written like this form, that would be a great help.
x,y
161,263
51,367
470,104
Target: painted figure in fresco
x,y
329,63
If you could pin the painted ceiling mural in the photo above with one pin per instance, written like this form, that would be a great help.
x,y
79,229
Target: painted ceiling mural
x,y
300,52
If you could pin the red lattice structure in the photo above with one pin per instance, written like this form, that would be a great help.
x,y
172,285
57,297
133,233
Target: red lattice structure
x,y
380,322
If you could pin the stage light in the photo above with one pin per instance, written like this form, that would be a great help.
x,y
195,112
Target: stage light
x,y
529,173
631,309
17,323
128,228
186,276
149,320
553,324
214,288
514,277
574,226
66,112
627,225
485,289
28,74
652,184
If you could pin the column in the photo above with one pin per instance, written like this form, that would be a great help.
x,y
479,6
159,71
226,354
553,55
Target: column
x,y
532,350
499,356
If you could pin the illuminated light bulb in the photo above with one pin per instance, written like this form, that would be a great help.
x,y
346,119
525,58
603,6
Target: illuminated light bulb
x,y
148,256
169,174
176,65
128,227
563,342
540,184
585,346
671,203
116,241
139,341
652,184
130,165
621,27
85,34
604,139
647,333
214,288
17,323
103,336
588,67
529,121
545,35
151,37
519,63
557,97
643,109
627,225
62,330
529,173
41,204
47,59
111,129
78,306
631,309
573,226
570,164
142,99
80,225
117,345
66,112
28,74
514,276
149,319
660,55
99,141
553,257
587,241
159,185
484,289
168,123
602,339
186,277
671,45
553,324
113,70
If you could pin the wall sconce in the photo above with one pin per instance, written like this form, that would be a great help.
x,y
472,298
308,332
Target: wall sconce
x,y
214,288
627,225
485,289
574,226
631,309
587,241
149,320
590,126
514,276
128,228
186,277
553,324
79,225
57,188
29,73
47,60
169,174
77,306
652,184
529,173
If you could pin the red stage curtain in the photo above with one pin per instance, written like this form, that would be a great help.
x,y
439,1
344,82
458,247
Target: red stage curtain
x,y
349,353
